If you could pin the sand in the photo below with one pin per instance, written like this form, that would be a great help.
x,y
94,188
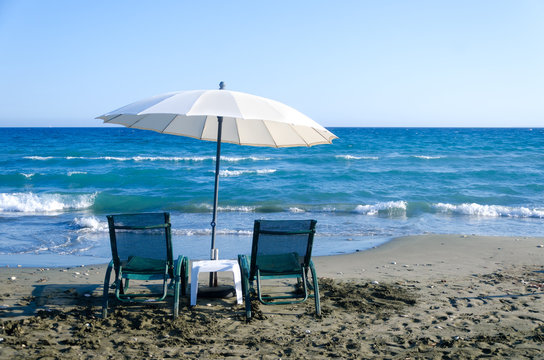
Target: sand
x,y
420,297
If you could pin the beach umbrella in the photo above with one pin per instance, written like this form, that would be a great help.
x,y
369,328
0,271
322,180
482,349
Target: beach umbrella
x,y
222,116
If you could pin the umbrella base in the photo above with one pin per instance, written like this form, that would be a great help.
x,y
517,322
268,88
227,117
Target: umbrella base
x,y
216,292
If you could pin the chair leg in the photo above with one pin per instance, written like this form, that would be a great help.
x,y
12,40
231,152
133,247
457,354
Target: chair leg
x,y
316,289
105,294
125,287
185,272
244,269
177,281
164,287
176,297
305,284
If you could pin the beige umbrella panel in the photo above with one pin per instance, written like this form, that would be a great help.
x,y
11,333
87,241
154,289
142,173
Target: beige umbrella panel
x,y
247,119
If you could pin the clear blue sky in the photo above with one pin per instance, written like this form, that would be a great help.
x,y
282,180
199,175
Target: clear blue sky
x,y
343,63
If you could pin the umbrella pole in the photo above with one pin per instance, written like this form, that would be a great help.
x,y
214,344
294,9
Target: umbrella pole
x,y
214,254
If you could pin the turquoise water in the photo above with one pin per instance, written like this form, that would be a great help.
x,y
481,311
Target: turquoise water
x,y
372,184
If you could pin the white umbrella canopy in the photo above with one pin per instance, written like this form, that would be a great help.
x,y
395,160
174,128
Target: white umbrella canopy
x,y
230,116
247,119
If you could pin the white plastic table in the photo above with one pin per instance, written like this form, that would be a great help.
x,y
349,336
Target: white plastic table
x,y
215,266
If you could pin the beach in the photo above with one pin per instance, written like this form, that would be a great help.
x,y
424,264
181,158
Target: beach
x,y
410,137
418,297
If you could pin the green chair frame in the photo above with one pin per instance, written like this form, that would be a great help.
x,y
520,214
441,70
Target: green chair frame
x,y
130,259
273,261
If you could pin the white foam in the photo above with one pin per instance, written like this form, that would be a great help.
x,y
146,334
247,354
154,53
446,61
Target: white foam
x,y
196,232
33,203
237,159
70,173
229,173
193,158
390,206
150,158
351,157
28,176
266,171
38,157
90,224
425,157
170,158
116,158
236,208
296,210
489,210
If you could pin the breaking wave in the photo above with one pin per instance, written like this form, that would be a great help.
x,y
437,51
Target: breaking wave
x,y
489,210
389,207
38,203
90,224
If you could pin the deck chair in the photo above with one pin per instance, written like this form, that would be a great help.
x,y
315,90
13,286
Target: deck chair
x,y
141,247
280,249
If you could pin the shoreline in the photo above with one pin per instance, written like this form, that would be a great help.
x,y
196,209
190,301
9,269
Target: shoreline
x,y
426,296
435,255
403,245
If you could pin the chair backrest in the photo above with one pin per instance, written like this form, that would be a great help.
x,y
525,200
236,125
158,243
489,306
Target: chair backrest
x,y
145,235
273,237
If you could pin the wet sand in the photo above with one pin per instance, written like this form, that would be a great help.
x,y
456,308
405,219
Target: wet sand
x,y
420,297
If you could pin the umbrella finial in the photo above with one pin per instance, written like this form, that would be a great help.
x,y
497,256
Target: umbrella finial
x,y
221,85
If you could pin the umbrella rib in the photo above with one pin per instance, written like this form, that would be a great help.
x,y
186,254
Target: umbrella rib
x,y
328,139
324,138
115,117
300,136
137,121
134,124
203,127
168,124
237,130
267,128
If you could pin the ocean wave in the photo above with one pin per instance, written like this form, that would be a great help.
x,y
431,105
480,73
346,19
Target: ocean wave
x,y
193,232
241,208
425,157
489,210
351,157
207,208
236,208
229,173
38,157
39,203
28,176
243,158
70,173
90,224
151,158
390,207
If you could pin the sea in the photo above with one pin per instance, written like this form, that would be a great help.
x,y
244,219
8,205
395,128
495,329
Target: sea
x,y
371,185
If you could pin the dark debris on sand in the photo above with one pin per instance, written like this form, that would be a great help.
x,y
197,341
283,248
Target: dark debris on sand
x,y
360,320
366,297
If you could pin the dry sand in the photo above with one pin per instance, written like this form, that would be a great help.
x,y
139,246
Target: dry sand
x,y
420,297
